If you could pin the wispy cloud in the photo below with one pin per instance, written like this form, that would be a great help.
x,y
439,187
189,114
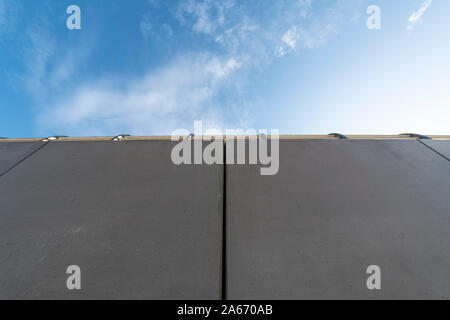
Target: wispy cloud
x,y
146,27
416,16
49,65
173,97
2,15
205,16
282,27
202,84
297,35
37,56
8,16
166,98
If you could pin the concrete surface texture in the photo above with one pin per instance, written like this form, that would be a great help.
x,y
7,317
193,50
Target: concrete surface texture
x,y
334,209
138,226
12,153
443,147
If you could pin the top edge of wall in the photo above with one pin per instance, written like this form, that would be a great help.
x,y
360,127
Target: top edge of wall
x,y
281,137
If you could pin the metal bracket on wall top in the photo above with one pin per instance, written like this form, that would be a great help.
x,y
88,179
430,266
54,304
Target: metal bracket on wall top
x,y
338,135
120,137
414,135
53,138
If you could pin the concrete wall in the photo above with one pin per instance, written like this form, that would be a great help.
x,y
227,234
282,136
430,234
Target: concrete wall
x,y
137,225
12,153
334,209
140,227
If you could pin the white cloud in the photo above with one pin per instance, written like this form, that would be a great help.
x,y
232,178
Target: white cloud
x,y
297,38
154,30
162,101
290,38
289,41
167,29
201,86
3,17
8,16
2,14
206,15
249,31
50,66
305,6
416,16
69,102
37,56
283,26
146,27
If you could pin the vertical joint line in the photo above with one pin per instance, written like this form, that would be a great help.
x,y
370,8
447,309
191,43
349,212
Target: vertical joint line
x,y
224,225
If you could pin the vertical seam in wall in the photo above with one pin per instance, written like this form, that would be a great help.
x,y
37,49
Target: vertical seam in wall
x,y
25,158
432,149
224,226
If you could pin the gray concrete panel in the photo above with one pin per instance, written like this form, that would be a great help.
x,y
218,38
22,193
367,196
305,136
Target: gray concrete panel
x,y
12,153
441,146
335,208
138,226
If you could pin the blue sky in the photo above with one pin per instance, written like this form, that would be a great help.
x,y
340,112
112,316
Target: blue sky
x,y
147,67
